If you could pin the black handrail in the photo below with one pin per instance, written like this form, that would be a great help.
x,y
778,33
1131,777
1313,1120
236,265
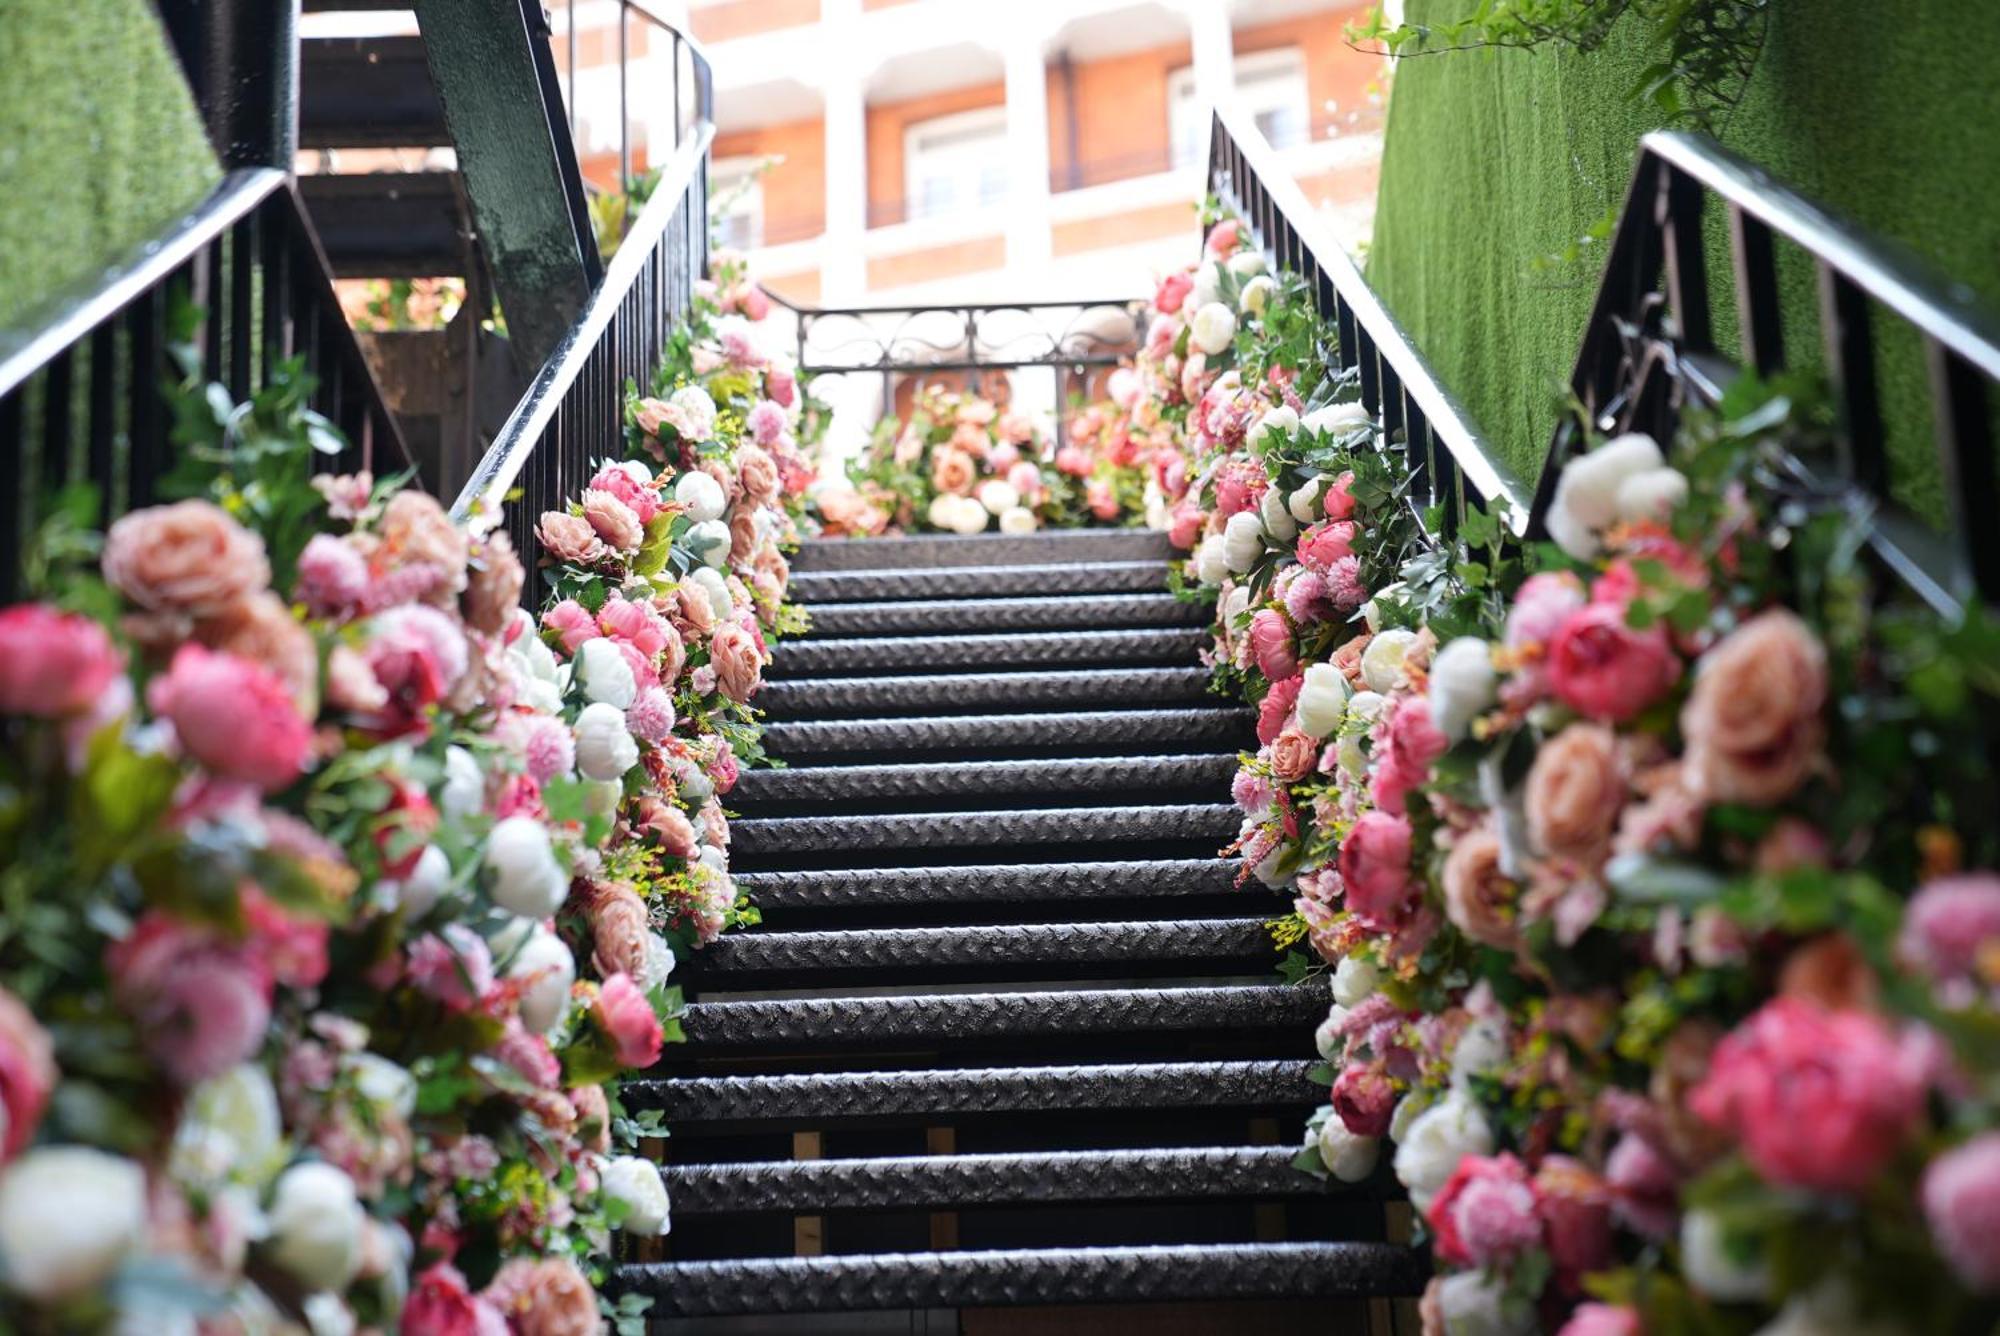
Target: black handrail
x,y
1452,467
1649,344
83,382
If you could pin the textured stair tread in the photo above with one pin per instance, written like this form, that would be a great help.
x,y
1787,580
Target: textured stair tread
x,y
1037,613
933,1017
808,657
1051,547
1084,577
1028,1276
1144,879
1222,726
969,692
1035,943
1150,1174
1100,774
820,1096
958,830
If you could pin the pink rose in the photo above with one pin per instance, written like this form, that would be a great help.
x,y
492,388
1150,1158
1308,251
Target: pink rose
x,y
1184,524
189,559
27,1075
333,576
237,719
738,663
765,422
1326,543
1603,668
1103,502
1949,927
1375,869
1407,742
781,385
627,1019
1338,502
1271,644
669,825
1543,603
1173,290
1594,1319
1819,1099
635,624
1293,756
53,663
650,415
440,1305
570,539
626,484
202,1005
1364,1099
1485,1212
1575,792
1753,721
1275,710
1478,897
1961,1198
614,521
572,623
452,967
1223,238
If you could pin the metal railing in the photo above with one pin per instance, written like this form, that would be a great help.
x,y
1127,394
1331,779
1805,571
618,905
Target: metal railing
x,y
1650,345
689,95
1451,465
83,384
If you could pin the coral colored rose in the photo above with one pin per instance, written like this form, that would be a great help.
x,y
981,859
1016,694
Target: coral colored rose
x,y
1338,501
1375,869
1961,1200
1575,793
1603,668
1173,290
237,719
439,1304
669,825
1485,1212
1223,237
627,1020
1276,708
1326,543
202,1005
1364,1099
570,539
953,471
1818,1099
27,1075
262,630
1293,756
738,663
546,1297
1478,896
1271,644
572,623
188,559
1949,927
493,586
53,663
1753,722
1543,603
618,930
693,615
613,520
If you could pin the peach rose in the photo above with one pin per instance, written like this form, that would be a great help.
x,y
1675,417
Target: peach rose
x,y
570,539
263,630
742,537
1753,721
593,1118
669,825
691,613
618,930
188,559
549,1297
1575,793
758,473
724,477
1478,896
494,589
615,522
739,665
416,531
1293,756
953,471
968,437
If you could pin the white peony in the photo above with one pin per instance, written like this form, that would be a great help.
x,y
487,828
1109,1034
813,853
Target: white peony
x,y
1348,1157
1247,263
386,1085
969,517
1338,418
637,1184
1277,520
68,1217
709,540
1436,1140
1713,1267
546,965
1280,420
1407,1110
602,796
1463,685
1242,541
697,411
604,675
1371,611
1257,294
1210,566
1019,519
1367,706
1327,1038
1322,703
464,791
702,495
604,746
1481,1048
1307,503
711,584
1469,1303
1586,498
1214,328
1207,287
659,961
230,1130
417,894
941,509
1382,661
532,657
526,878
315,1221
998,496
1354,981
1234,602
1652,495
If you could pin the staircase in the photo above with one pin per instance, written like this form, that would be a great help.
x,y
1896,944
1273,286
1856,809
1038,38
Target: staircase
x,y
1008,1054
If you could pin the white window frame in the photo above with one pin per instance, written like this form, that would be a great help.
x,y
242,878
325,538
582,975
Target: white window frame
x,y
1266,83
972,187
723,175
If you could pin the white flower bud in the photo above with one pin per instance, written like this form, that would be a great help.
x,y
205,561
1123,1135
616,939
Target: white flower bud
x,y
1382,661
1214,328
1354,981
1347,1157
1306,503
709,540
1586,498
68,1217
998,496
526,879
701,494
1281,420
604,746
637,1184
545,962
230,1131
1322,702
1018,520
1247,263
315,1221
1436,1140
1337,418
604,675
1463,685
1210,566
1242,541
711,583
1277,520
464,791
1257,294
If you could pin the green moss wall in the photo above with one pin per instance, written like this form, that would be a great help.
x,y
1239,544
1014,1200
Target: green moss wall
x,y
99,141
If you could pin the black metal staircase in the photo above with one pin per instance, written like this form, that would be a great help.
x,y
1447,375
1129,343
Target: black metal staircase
x,y
1010,1036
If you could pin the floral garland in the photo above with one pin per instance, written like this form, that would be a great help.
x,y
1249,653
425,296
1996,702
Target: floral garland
x,y
959,465
340,893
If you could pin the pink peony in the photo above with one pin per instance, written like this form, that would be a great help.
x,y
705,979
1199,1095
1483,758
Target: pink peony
x,y
1407,742
572,623
651,716
1324,544
201,1004
546,745
1949,926
529,1055
1338,502
1275,710
765,423
631,484
1485,1212
440,1304
1223,238
418,655
53,663
333,576
1961,1198
1595,1319
1544,602
782,386
27,1075
1819,1099
1271,644
237,719
1173,290
1375,869
1364,1098
1344,584
636,624
1603,668
1305,595
453,967
627,1019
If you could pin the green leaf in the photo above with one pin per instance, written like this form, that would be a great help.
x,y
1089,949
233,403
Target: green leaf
x,y
1646,879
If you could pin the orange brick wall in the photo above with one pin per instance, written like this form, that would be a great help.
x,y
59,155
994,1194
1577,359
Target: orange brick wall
x,y
1335,72
935,262
746,18
795,189
1121,116
887,124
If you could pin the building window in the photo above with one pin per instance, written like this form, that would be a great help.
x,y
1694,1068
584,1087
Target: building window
x,y
1270,86
736,202
955,163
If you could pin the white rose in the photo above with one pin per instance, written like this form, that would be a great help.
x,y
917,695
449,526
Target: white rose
x,y
1207,287
701,494
532,656
1214,328
230,1129
1242,541
969,517
604,746
697,409
1019,519
1281,420
1327,1038
602,796
1338,418
659,961
1305,503
999,496
1257,294
417,894
1436,1140
1652,495
1472,1305
1234,602
386,1085
604,675
1354,981
1382,661
527,880
68,1216
549,969
1367,706
315,1221
1406,1111
1371,612
637,1184
1482,1047
1247,263
1463,685
711,584
1277,520
1586,498
942,507
1322,702
1347,1157
1210,566
709,540
464,791
1712,1267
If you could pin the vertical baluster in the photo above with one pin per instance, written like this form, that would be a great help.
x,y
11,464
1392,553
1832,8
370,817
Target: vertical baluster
x,y
1350,348
145,322
309,329
274,262
210,281
1757,315
1964,425
1681,200
58,393
241,262
1447,483
13,499
1850,365
101,419
1364,356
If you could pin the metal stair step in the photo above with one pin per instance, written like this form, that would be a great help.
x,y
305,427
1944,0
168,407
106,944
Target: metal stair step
x,y
1108,775
817,698
1084,577
1040,613
1055,547
1214,727
391,224
958,830
1026,1276
961,948
368,92
899,1181
849,888
950,1018
810,657
747,1102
